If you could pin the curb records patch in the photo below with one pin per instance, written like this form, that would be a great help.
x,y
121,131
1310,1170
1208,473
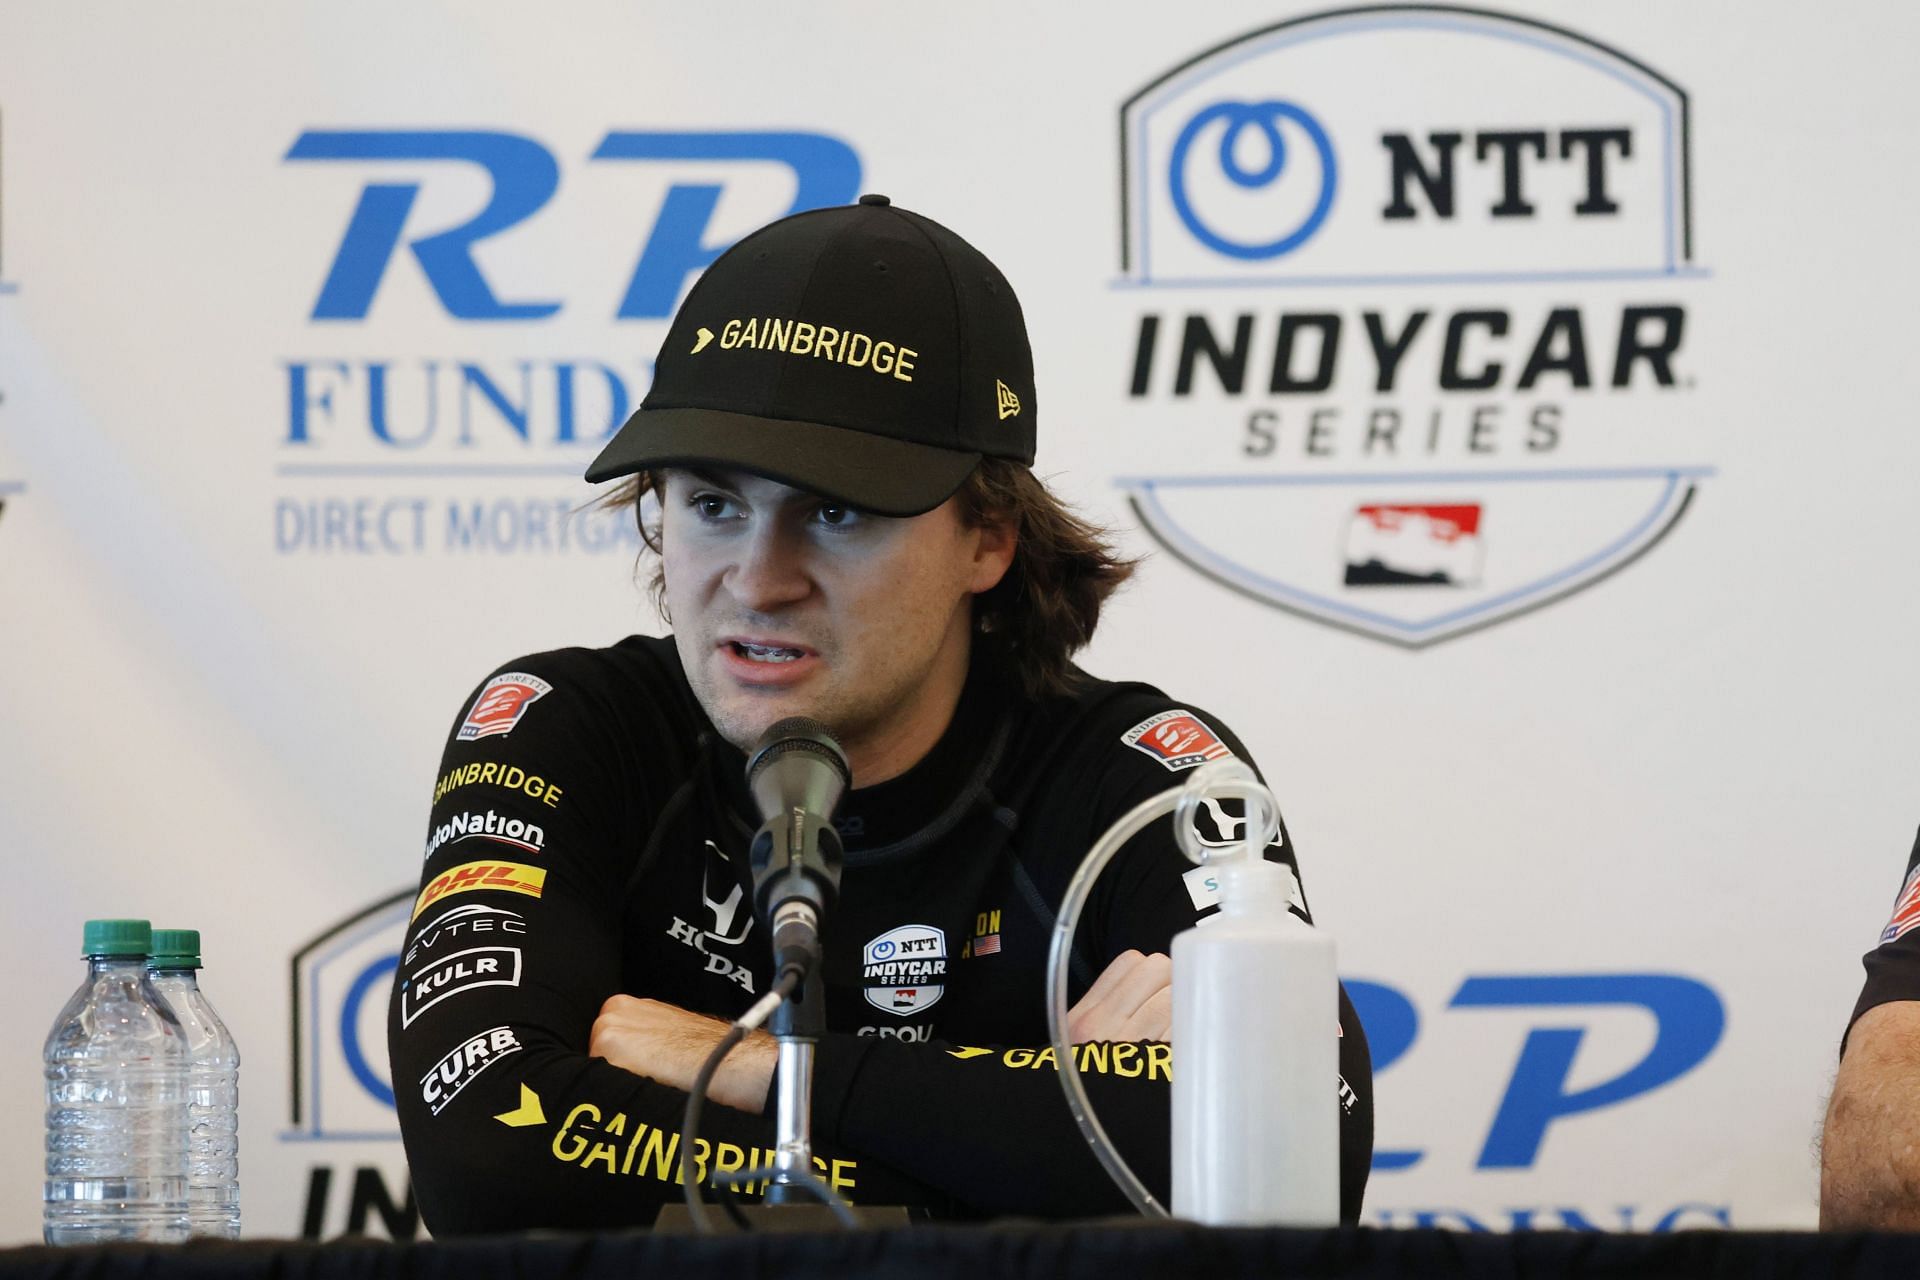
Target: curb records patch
x,y
1177,739
501,703
460,1067
905,969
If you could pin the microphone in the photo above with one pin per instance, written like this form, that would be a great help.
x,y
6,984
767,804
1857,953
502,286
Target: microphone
x,y
797,774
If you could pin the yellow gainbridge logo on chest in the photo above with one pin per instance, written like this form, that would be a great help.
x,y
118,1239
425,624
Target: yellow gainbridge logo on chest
x,y
822,341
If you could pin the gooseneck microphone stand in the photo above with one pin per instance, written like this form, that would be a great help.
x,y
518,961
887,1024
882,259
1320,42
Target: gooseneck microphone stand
x,y
797,774
796,861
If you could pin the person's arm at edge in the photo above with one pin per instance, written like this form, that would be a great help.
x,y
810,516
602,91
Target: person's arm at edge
x,y
1870,1146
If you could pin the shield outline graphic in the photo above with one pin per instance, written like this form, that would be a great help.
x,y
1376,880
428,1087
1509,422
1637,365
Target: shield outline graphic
x,y
1678,486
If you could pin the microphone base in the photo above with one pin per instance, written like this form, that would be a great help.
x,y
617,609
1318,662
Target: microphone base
x,y
783,1219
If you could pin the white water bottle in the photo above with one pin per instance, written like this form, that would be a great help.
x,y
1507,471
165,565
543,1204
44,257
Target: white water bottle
x,y
1256,1008
116,1067
213,1086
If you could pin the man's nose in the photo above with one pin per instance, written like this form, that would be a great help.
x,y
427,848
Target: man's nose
x,y
771,569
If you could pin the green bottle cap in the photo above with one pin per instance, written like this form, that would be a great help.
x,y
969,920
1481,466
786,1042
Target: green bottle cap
x,y
175,949
116,938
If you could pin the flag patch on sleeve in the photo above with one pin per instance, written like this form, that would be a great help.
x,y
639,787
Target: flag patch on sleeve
x,y
1906,910
501,703
1177,739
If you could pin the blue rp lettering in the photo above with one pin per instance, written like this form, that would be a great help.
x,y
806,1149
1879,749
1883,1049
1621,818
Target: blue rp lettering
x,y
1688,1018
524,177
826,172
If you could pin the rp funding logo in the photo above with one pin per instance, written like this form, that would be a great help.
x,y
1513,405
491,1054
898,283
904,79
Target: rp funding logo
x,y
457,329
1416,296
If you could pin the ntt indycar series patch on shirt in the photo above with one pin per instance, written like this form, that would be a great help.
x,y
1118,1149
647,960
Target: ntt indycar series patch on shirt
x,y
906,969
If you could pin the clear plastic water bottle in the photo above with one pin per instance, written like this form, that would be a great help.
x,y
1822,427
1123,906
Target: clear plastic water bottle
x,y
116,1066
213,1086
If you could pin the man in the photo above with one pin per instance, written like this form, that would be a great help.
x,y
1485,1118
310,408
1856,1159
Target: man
x,y
837,438
1870,1151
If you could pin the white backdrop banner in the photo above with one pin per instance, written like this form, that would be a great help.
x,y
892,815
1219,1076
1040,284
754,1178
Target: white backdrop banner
x,y
1510,405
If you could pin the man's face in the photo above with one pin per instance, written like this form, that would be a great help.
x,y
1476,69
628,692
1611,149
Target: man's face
x,y
785,603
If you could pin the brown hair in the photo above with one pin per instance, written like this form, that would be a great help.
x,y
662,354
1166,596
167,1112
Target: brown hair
x,y
1038,615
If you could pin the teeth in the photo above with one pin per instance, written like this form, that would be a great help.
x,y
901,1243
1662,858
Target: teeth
x,y
766,653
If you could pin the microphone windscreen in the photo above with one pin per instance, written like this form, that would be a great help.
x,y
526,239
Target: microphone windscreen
x,y
797,734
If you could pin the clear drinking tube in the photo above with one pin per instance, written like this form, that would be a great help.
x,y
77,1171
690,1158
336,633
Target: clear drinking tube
x,y
1219,779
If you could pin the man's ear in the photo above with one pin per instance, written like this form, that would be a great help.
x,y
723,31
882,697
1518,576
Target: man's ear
x,y
993,549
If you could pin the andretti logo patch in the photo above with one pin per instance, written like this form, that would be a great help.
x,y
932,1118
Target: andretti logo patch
x,y
501,703
905,969
1177,739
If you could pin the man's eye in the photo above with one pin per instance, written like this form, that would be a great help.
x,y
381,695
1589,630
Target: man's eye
x,y
837,516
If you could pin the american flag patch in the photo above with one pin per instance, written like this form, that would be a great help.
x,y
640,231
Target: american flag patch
x,y
987,946
1906,910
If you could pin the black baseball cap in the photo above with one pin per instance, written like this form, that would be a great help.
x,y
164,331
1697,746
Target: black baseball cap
x,y
863,352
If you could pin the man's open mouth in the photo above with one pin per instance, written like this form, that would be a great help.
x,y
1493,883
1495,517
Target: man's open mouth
x,y
765,652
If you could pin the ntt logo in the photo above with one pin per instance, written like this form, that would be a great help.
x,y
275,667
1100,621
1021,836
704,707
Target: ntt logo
x,y
1237,122
525,836
1303,153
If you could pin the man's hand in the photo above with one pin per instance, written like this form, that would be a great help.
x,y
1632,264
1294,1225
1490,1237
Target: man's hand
x,y
1132,1000
668,1044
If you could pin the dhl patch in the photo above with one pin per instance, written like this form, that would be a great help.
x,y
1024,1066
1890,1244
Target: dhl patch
x,y
504,877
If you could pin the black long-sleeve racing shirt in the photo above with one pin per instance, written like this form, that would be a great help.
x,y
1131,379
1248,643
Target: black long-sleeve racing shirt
x,y
588,837
1893,966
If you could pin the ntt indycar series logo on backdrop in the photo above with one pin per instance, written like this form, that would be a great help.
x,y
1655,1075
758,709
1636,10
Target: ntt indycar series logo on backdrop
x,y
466,331
1423,273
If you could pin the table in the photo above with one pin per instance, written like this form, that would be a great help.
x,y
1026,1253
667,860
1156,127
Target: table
x,y
1091,1251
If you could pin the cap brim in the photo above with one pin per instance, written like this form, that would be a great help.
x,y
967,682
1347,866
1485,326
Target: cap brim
x,y
874,473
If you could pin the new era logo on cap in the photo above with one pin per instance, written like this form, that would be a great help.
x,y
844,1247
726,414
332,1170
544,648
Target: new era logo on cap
x,y
1009,403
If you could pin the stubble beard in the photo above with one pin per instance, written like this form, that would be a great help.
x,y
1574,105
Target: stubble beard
x,y
741,723
850,715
